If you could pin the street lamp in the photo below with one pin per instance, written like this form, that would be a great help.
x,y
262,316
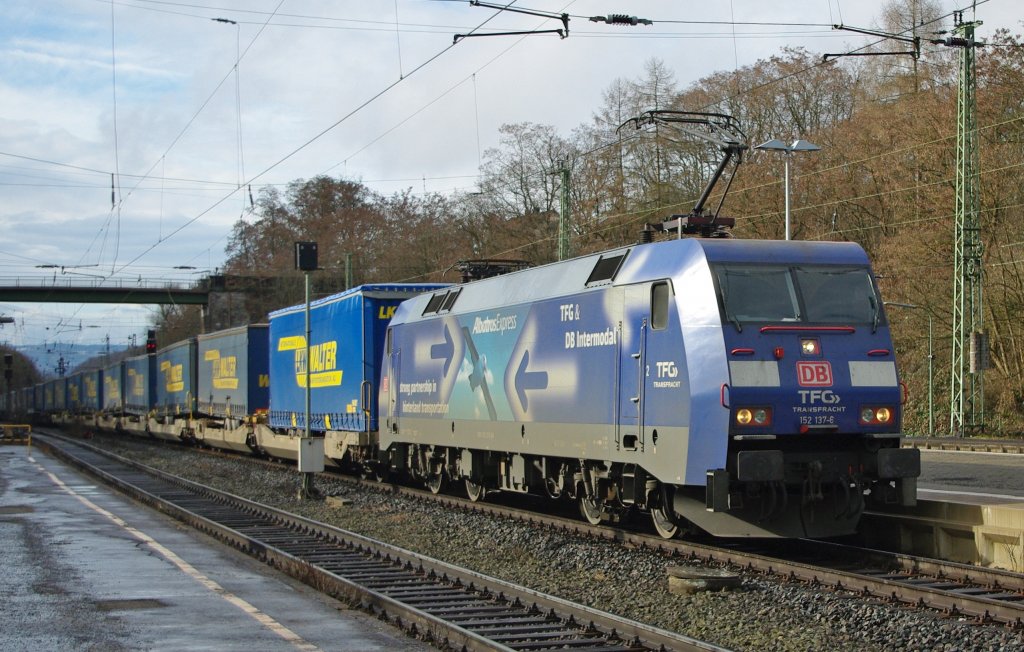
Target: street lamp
x,y
931,363
779,146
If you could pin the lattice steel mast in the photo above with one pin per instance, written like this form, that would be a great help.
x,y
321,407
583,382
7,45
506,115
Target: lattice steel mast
x,y
967,396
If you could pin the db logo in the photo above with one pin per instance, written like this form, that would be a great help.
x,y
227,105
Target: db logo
x,y
814,374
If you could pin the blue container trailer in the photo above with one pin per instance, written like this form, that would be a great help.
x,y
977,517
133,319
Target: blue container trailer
x,y
90,393
74,392
234,377
346,344
176,384
60,394
113,382
27,400
48,403
139,389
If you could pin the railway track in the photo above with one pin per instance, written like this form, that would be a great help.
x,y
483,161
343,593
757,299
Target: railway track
x,y
987,595
453,608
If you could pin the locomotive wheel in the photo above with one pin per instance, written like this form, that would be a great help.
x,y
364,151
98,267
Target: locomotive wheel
x,y
474,491
666,529
592,509
435,481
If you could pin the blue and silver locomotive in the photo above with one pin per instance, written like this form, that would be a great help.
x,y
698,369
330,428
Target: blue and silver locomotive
x,y
743,388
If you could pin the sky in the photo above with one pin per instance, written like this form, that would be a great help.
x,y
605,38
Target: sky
x,y
146,96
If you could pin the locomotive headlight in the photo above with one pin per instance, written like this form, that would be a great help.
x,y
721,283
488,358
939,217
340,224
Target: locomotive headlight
x,y
875,416
756,417
810,347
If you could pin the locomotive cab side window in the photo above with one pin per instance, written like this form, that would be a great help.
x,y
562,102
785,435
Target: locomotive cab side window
x,y
660,293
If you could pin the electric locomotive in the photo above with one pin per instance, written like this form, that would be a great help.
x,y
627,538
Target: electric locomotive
x,y
742,388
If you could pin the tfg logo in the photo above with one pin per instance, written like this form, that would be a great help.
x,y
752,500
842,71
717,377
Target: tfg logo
x,y
814,374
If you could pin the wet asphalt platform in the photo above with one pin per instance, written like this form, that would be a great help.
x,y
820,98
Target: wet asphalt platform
x,y
971,478
84,568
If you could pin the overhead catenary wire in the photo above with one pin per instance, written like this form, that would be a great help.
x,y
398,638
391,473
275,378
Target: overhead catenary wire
x,y
781,79
222,9
386,25
163,178
310,141
810,67
113,86
706,107
120,199
114,269
204,104
612,222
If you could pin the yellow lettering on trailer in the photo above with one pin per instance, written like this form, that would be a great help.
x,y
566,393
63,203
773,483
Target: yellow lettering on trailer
x,y
136,384
224,370
323,366
174,376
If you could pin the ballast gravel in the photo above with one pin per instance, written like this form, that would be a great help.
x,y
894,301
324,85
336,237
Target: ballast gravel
x,y
763,614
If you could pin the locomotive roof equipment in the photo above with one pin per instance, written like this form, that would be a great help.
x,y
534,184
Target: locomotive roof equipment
x,y
718,128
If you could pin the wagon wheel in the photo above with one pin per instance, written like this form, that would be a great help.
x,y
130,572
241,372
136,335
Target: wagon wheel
x,y
475,491
592,509
374,472
665,527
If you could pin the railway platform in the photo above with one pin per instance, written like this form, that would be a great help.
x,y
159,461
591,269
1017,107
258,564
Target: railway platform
x,y
86,568
970,509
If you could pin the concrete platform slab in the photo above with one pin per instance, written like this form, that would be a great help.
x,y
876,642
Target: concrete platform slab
x,y
87,569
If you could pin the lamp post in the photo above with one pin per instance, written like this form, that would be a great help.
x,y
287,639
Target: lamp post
x,y
931,363
779,146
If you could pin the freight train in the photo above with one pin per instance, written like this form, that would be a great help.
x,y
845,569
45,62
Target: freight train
x,y
740,388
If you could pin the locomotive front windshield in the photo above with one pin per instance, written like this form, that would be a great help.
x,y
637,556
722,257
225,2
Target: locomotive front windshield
x,y
815,294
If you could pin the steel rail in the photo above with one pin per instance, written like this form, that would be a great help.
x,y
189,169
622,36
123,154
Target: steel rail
x,y
450,606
